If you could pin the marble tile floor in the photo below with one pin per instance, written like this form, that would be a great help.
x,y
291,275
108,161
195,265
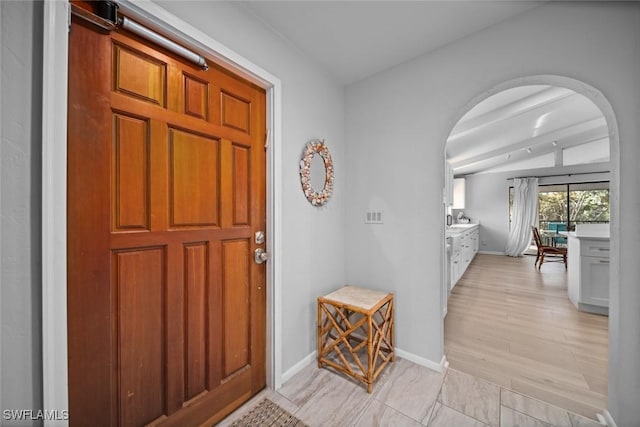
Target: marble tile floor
x,y
407,394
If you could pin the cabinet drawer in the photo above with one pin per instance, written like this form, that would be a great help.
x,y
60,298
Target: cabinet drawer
x,y
594,281
599,248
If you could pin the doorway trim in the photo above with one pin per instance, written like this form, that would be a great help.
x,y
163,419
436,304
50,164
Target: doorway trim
x,y
599,99
54,184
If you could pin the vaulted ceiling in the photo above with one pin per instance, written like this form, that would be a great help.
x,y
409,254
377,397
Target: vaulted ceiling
x,y
522,128
529,127
352,40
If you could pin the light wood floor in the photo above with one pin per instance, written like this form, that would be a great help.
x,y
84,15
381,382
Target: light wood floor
x,y
514,325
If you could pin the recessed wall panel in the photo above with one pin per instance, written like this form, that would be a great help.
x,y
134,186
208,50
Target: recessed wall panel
x,y
236,112
196,97
139,75
141,339
196,319
240,185
194,179
130,173
235,285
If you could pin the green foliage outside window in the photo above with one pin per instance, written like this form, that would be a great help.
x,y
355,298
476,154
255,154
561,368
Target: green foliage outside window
x,y
589,206
552,207
585,206
587,203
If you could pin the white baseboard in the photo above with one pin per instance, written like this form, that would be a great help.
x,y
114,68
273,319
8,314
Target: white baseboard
x,y
491,253
311,357
290,373
438,367
606,419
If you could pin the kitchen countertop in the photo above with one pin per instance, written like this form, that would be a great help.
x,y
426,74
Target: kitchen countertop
x,y
592,236
459,228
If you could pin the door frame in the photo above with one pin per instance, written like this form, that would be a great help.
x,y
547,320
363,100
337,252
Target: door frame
x,y
54,184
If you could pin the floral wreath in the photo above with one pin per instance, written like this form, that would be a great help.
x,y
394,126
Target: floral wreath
x,y
316,146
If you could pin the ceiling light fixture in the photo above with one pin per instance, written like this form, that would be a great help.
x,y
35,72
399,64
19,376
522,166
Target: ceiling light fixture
x,y
529,150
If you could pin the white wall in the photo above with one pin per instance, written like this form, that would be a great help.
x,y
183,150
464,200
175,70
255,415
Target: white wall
x,y
488,198
313,107
488,202
397,124
20,275
312,242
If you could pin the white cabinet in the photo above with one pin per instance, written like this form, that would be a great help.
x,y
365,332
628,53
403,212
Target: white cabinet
x,y
465,241
594,286
471,245
456,270
588,273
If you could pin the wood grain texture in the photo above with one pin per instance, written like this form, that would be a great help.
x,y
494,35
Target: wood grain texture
x,y
241,168
513,324
147,267
140,282
139,75
87,274
194,179
130,173
196,97
235,264
236,112
196,281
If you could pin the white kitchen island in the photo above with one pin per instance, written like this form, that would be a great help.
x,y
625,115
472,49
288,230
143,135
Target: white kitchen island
x,y
588,268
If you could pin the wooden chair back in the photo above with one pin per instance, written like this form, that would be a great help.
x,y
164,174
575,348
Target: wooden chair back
x,y
536,237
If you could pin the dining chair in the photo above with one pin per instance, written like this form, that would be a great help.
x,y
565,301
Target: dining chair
x,y
547,250
556,227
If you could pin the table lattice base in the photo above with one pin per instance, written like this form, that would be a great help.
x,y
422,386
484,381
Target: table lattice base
x,y
356,342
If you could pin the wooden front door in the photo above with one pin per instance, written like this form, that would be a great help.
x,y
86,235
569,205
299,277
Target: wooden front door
x,y
166,190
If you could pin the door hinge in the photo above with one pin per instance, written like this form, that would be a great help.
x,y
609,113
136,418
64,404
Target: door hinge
x,y
266,138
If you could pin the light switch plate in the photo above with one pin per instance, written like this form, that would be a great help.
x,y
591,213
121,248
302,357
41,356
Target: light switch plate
x,y
373,217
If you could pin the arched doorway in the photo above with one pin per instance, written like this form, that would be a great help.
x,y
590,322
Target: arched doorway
x,y
529,96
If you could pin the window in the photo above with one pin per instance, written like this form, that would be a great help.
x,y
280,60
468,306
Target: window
x,y
552,206
562,206
589,203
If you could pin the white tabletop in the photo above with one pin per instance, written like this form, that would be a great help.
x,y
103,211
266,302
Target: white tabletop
x,y
357,297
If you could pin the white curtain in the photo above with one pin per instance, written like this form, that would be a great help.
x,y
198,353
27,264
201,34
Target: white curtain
x,y
525,208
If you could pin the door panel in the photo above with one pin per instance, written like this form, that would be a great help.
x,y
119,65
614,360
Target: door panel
x,y
139,75
193,179
196,291
196,97
140,285
236,112
235,256
240,185
166,187
130,173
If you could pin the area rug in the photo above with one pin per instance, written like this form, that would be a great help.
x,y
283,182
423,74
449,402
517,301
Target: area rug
x,y
268,413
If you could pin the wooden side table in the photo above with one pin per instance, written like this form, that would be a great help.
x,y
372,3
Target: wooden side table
x,y
355,332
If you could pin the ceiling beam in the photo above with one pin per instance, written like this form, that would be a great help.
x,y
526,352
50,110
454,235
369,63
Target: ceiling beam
x,y
535,101
523,155
580,133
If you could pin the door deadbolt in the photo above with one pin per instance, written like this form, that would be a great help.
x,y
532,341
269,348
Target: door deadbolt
x,y
259,237
260,256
